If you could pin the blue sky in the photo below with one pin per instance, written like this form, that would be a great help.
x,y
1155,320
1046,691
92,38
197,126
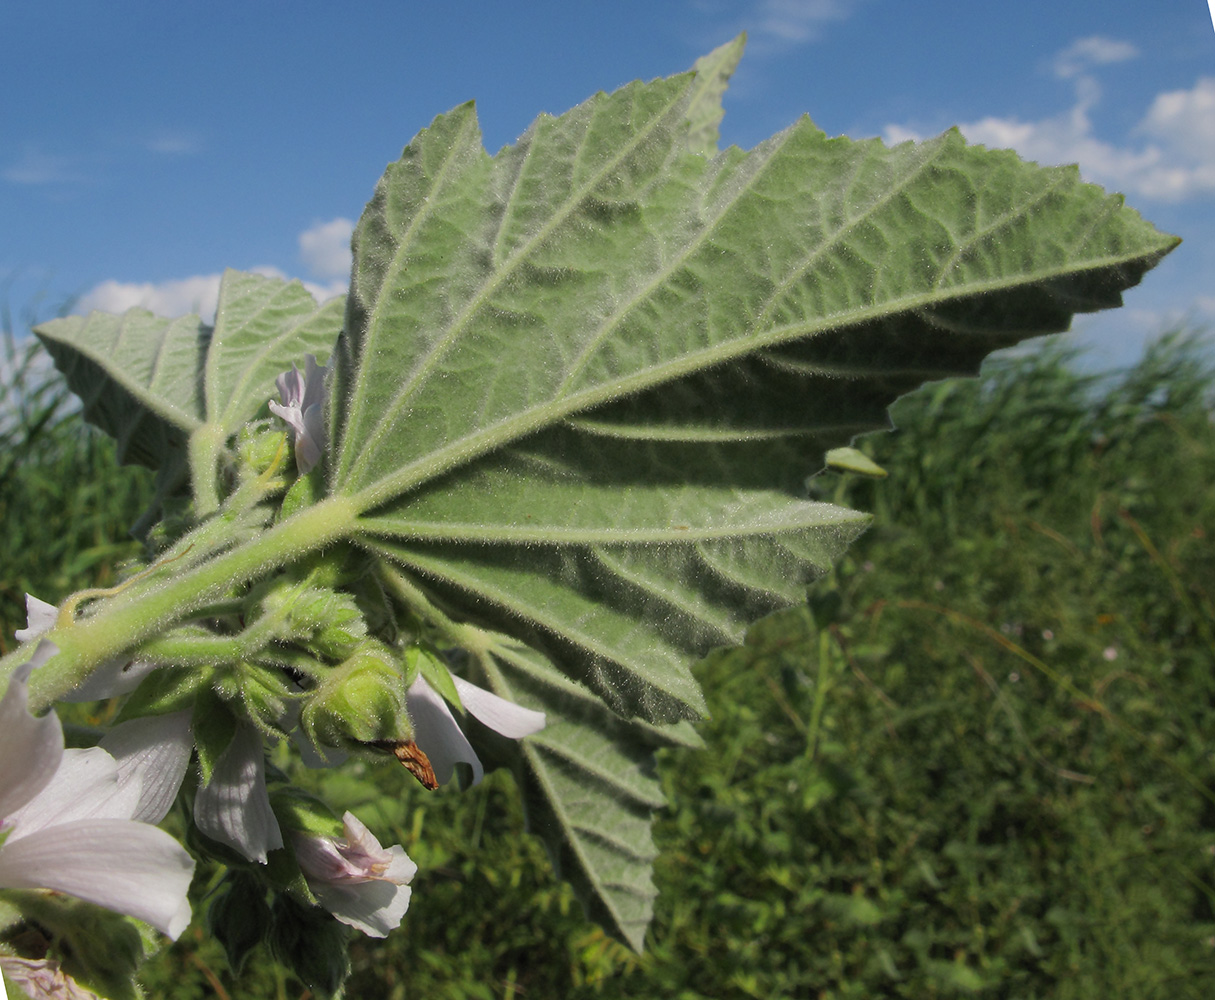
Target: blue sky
x,y
148,145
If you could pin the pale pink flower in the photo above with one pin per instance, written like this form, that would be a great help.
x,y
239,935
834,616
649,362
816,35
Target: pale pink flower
x,y
303,410
358,881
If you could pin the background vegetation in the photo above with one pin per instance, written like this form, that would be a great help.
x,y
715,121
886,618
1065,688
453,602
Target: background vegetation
x,y
977,762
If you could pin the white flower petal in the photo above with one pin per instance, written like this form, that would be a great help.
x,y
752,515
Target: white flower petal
x,y
500,715
436,731
292,416
320,859
308,444
291,386
303,410
84,787
362,849
40,618
375,908
152,752
132,868
234,807
314,383
30,749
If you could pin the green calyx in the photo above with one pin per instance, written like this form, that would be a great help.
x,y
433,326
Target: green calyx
x,y
359,702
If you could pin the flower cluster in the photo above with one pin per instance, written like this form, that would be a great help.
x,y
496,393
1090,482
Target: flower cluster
x,y
133,777
299,658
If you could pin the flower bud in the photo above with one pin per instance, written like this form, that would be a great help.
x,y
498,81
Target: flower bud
x,y
361,701
259,445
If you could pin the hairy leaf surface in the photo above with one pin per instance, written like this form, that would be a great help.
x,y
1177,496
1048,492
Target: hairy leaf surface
x,y
138,375
588,784
583,383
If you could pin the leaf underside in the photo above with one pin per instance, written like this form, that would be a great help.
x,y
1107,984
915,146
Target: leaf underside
x,y
581,385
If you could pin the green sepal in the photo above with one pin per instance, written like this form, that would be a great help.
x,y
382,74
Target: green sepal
x,y
163,691
304,813
361,701
238,916
312,944
329,623
305,491
425,660
852,460
266,694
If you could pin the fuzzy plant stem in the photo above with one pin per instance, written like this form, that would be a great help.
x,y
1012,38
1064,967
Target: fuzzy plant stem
x,y
158,603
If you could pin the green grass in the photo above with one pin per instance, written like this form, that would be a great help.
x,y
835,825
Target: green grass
x,y
65,504
978,762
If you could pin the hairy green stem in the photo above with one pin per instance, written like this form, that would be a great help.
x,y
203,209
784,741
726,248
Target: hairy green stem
x,y
206,444
157,603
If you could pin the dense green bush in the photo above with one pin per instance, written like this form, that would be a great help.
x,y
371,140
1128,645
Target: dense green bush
x,y
978,762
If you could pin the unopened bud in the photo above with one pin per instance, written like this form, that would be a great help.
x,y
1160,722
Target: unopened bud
x,y
361,701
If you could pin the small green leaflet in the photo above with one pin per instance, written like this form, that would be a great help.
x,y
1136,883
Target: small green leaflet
x,y
153,384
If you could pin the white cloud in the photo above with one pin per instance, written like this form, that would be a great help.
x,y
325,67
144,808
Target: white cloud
x,y
181,297
323,293
1174,160
772,26
325,249
38,167
1095,50
797,20
1184,120
174,143
197,294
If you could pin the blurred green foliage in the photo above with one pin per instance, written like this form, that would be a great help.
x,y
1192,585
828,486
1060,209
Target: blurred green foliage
x,y
978,762
65,504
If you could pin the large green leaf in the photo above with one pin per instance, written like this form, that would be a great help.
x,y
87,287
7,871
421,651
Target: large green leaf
x,y
640,559
581,385
262,326
138,375
597,259
583,381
